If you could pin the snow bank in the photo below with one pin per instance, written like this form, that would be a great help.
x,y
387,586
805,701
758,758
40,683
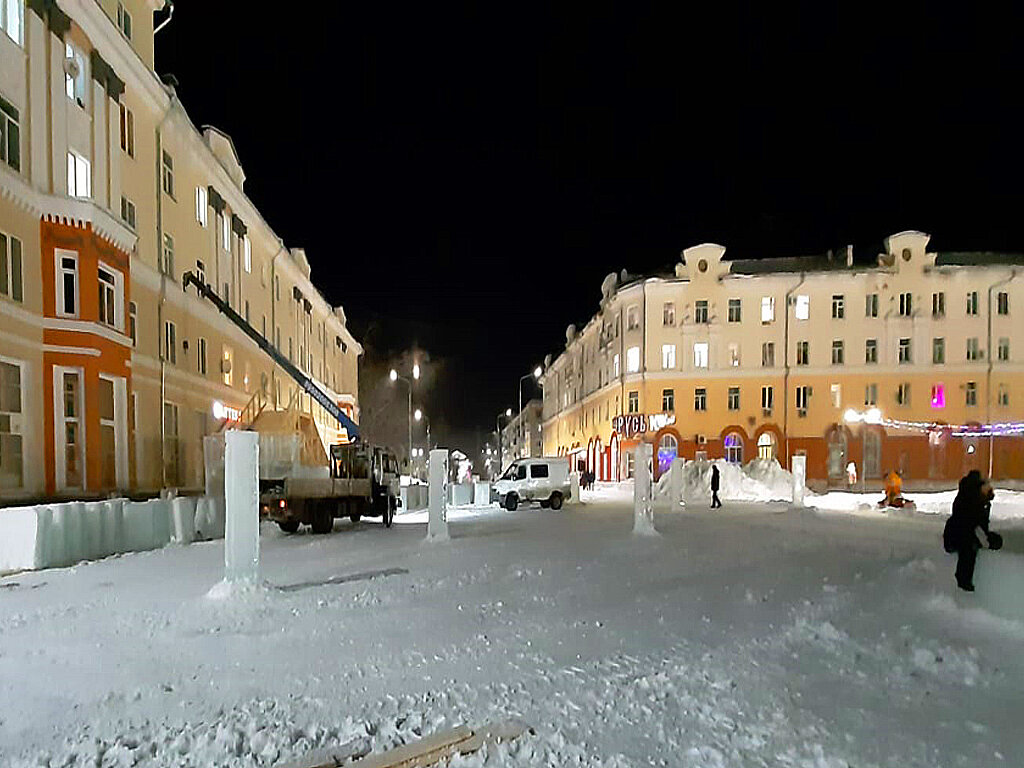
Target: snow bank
x,y
758,480
56,535
1007,505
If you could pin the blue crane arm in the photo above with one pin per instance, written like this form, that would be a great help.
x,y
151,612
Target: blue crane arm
x,y
302,379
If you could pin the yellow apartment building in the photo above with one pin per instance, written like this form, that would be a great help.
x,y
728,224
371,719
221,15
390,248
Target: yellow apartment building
x,y
739,359
110,373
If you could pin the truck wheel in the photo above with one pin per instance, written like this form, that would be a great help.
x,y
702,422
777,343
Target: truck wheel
x,y
511,502
323,520
389,516
288,526
556,500
354,517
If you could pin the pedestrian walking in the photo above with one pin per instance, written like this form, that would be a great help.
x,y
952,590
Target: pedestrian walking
x,y
851,475
715,480
967,530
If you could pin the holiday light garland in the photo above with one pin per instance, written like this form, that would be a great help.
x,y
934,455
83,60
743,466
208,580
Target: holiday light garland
x,y
874,417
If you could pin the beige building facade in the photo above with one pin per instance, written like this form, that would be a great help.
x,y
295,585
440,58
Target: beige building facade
x,y
739,359
110,373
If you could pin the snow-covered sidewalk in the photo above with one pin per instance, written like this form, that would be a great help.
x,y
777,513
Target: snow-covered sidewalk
x,y
748,636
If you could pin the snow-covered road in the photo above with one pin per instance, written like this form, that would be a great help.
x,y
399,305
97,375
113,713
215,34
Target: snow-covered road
x,y
749,636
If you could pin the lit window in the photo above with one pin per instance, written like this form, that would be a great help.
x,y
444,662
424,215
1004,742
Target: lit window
x,y
803,307
837,395
74,74
938,399
12,19
700,354
734,355
247,253
10,268
668,356
615,366
202,206
632,359
10,134
79,176
225,234
767,309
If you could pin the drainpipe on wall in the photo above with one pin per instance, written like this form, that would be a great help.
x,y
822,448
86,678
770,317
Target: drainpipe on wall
x,y
785,375
988,373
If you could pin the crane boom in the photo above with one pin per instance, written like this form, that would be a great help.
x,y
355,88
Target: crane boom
x,y
301,379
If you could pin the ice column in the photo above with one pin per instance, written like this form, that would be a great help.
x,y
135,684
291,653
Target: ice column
x,y
242,500
437,520
574,487
643,506
799,479
676,481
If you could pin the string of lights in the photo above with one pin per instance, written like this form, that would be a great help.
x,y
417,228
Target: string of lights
x,y
874,416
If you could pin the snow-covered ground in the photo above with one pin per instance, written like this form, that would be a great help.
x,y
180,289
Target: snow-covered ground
x,y
754,635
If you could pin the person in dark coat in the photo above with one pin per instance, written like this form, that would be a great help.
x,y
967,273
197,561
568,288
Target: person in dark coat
x,y
967,530
715,501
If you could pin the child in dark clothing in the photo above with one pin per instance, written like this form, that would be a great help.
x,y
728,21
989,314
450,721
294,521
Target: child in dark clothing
x,y
967,528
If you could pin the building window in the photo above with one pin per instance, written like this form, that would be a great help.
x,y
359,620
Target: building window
x,y
170,343
10,131
903,394
615,365
12,19
735,310
972,303
168,173
733,448
668,313
632,319
79,176
202,206
973,350
201,271
971,393
108,297
67,283
938,399
167,263
1003,350
767,309
906,304
766,446
1003,396
1003,303
803,352
803,396
246,315
700,399
938,351
803,307
127,127
734,398
72,417
939,304
700,354
128,212
11,459
133,323
836,390
838,352
767,399
871,351
201,359
700,311
227,364
768,354
668,356
247,254
74,74
871,394
904,353
734,355
871,305
11,268
124,21
838,306
633,402
668,400
633,360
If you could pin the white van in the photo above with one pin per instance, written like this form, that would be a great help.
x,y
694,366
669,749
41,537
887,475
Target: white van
x,y
545,480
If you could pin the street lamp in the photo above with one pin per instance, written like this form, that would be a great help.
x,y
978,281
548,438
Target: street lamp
x,y
497,430
394,378
536,374
420,416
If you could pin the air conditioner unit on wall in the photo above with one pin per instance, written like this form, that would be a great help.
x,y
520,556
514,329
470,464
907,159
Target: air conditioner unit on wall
x,y
701,440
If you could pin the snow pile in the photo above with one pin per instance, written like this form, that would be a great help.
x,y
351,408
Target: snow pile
x,y
758,480
1007,505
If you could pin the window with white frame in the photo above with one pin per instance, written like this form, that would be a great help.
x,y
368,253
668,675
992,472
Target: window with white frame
x,y
79,176
905,355
74,73
1003,350
167,263
871,305
124,21
632,359
668,313
903,393
127,129
668,356
803,397
700,399
973,350
10,134
735,310
1003,303
734,354
700,311
615,366
767,398
971,393
111,295
700,354
12,19
838,306
939,304
67,282
668,400
871,394
972,303
632,318
836,390
167,172
803,307
128,212
11,400
133,323
938,351
734,398
803,353
838,352
767,309
170,343
633,402
225,233
906,304
871,351
202,206
11,286
768,354
247,253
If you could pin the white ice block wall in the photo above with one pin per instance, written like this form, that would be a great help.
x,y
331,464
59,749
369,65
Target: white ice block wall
x,y
437,518
242,505
643,501
799,479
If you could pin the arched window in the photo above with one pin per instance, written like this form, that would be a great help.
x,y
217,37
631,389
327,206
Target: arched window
x,y
766,445
837,454
734,448
668,449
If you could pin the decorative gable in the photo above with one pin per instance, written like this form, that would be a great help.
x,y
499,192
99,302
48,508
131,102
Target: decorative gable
x,y
224,150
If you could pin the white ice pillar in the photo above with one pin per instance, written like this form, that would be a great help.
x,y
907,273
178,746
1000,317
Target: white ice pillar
x,y
643,502
437,520
574,487
799,479
676,481
242,500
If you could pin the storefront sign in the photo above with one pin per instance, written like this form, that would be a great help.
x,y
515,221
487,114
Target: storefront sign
x,y
633,424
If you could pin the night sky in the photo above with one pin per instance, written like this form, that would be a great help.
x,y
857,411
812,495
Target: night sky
x,y
463,175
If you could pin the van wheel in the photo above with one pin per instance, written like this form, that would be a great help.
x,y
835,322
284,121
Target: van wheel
x,y
511,502
288,526
389,514
555,500
323,519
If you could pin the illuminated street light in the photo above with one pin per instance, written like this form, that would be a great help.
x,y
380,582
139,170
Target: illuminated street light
x,y
416,370
417,414
393,375
851,416
537,372
508,412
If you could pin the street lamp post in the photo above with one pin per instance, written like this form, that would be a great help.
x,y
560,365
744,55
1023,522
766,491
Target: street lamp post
x,y
420,416
535,373
394,378
497,429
